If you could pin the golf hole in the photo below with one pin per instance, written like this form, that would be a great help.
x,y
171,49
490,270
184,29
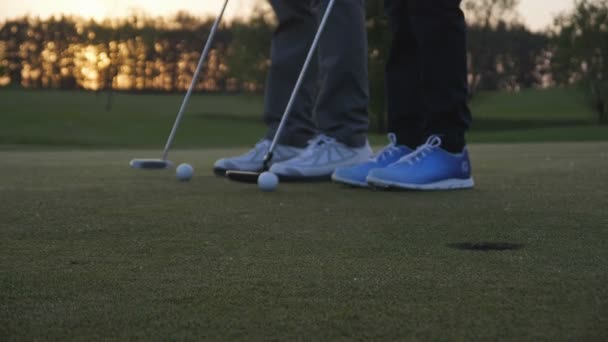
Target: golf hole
x,y
486,246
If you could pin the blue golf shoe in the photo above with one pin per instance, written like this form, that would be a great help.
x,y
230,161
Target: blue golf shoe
x,y
356,175
428,168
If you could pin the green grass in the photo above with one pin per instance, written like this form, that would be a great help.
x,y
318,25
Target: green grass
x,y
78,119
534,116
92,250
562,105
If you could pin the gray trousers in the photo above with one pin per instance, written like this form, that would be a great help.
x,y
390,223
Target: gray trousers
x,y
334,97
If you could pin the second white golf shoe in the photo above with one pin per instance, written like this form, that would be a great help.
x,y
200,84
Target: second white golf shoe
x,y
319,160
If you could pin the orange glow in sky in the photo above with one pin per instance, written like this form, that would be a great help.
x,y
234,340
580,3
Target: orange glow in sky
x,y
99,9
537,13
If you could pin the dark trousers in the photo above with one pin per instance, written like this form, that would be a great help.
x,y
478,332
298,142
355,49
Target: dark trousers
x,y
334,97
426,73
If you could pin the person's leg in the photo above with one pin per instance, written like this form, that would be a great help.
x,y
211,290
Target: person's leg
x,y
442,163
342,106
440,31
297,25
404,78
405,117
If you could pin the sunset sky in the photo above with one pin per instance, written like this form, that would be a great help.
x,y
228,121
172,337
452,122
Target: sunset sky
x,y
537,13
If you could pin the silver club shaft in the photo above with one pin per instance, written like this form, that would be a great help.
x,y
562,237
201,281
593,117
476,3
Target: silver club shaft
x,y
199,68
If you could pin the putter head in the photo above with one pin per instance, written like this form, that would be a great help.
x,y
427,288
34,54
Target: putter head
x,y
150,164
250,177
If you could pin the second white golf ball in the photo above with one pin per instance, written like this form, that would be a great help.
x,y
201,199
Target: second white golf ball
x,y
184,172
268,181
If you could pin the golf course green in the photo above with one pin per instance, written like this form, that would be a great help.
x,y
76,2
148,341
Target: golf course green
x,y
93,250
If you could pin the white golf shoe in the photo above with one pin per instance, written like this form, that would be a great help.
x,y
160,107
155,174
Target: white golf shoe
x,y
254,159
319,160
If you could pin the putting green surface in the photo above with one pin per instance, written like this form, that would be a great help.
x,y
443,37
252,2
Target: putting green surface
x,y
91,249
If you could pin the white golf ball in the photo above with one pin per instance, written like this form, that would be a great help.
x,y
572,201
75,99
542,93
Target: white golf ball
x,y
268,181
184,172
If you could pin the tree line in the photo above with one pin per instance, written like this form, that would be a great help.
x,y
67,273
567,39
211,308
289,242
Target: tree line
x,y
141,53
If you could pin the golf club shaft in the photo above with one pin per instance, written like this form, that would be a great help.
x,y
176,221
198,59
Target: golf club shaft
x,y
296,89
199,68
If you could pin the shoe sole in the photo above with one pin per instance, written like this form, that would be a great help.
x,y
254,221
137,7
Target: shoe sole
x,y
349,182
448,184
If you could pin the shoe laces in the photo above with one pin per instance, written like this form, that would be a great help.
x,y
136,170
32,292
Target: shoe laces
x,y
422,151
320,142
389,150
262,146
264,143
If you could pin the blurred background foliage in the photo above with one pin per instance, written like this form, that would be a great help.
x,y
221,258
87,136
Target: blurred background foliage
x,y
153,54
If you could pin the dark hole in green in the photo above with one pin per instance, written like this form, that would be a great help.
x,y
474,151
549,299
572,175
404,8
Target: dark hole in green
x,y
486,246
